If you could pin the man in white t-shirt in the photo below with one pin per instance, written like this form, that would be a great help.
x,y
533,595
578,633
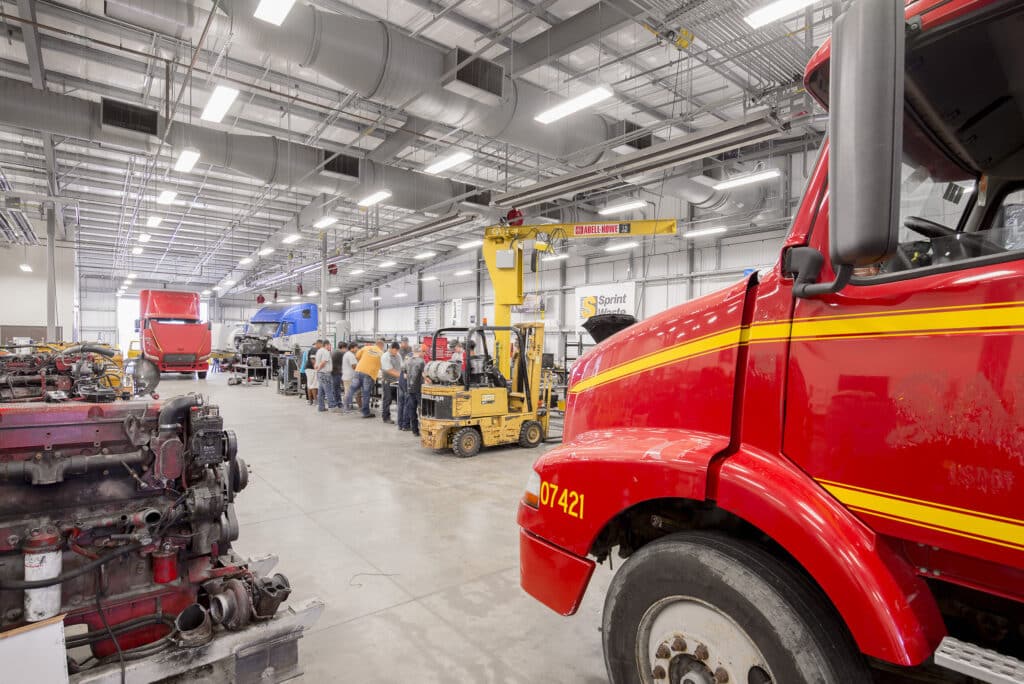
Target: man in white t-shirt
x,y
323,377
348,370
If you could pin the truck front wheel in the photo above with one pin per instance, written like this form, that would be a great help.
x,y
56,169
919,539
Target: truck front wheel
x,y
703,607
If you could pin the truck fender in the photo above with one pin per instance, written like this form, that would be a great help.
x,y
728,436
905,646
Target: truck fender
x,y
888,609
633,465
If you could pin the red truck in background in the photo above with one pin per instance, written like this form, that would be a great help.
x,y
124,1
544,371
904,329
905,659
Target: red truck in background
x,y
822,466
171,332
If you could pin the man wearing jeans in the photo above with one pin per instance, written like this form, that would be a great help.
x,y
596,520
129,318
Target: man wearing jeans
x,y
367,368
323,378
413,371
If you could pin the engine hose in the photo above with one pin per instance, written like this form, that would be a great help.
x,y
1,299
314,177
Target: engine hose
x,y
173,412
21,585
120,628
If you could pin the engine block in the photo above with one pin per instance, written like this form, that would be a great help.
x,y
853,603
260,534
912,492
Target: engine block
x,y
121,516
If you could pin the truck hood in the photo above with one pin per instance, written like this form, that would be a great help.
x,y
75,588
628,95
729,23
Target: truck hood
x,y
674,370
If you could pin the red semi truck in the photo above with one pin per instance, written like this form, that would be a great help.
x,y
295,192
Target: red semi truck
x,y
172,334
822,467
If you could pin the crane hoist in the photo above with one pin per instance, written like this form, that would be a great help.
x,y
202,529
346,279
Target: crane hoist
x,y
503,254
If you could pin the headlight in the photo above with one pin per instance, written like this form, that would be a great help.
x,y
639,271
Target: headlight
x,y
531,496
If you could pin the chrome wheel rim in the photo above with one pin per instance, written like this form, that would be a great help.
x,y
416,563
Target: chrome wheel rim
x,y
684,640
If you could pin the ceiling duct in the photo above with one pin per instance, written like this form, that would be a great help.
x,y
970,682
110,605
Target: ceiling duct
x,y
384,64
634,167
264,158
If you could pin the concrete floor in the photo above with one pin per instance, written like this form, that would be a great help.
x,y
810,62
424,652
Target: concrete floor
x,y
415,553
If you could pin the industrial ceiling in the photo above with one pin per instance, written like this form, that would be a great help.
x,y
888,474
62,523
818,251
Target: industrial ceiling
x,y
346,99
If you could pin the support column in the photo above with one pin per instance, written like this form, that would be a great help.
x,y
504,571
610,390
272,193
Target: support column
x,y
51,276
322,314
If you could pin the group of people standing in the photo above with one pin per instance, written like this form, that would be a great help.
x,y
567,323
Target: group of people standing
x,y
338,379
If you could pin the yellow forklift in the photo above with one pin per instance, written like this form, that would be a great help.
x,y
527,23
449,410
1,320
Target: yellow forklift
x,y
482,401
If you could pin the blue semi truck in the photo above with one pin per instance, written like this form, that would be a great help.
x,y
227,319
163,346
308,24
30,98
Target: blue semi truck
x,y
280,327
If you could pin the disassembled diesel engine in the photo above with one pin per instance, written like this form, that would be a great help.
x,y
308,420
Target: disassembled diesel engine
x,y
120,516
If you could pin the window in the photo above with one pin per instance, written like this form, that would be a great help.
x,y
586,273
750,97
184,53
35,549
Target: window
x,y
286,328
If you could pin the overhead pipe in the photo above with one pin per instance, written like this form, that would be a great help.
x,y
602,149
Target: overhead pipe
x,y
383,64
264,158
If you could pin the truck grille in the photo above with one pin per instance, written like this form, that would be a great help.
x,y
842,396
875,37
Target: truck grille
x,y
434,406
173,359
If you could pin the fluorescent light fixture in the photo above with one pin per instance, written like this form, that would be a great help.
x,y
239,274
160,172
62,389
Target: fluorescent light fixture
x,y
555,257
374,299
265,251
273,11
370,200
387,264
145,237
125,284
471,244
332,290
325,222
353,301
427,279
747,179
25,268
295,298
206,292
621,246
704,231
622,207
448,162
337,303
219,103
314,293
136,251
229,283
290,238
166,197
425,255
358,271
246,260
462,273
132,276
153,221
401,294
186,160
587,99
217,288
774,11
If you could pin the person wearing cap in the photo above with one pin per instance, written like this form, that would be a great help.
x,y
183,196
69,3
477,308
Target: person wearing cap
x,y
391,368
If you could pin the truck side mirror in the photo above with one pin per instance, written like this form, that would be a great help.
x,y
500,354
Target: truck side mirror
x,y
137,325
866,75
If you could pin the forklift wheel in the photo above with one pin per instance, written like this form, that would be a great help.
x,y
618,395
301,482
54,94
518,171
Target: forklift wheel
x,y
466,442
531,434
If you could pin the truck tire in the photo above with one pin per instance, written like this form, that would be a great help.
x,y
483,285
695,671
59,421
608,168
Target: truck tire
x,y
466,442
693,603
531,434
201,374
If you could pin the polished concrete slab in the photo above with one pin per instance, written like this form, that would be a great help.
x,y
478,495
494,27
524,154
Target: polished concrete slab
x,y
415,553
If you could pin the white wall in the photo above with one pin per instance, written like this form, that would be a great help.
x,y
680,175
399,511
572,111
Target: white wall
x,y
24,294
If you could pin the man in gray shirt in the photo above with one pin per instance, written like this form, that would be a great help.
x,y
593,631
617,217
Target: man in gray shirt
x,y
390,369
323,376
413,371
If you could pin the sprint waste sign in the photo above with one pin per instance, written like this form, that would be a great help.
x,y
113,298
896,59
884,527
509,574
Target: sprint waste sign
x,y
604,299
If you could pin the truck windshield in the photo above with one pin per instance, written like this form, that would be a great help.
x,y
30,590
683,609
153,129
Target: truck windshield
x,y
263,329
175,321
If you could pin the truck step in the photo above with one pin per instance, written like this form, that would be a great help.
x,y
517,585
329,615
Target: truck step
x,y
978,662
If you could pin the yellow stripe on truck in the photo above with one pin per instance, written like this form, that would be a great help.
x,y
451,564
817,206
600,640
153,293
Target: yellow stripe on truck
x,y
1004,317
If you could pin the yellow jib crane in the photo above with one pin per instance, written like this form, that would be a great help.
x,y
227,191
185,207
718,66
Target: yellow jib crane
x,y
503,254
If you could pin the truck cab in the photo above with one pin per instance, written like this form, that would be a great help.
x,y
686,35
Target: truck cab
x,y
284,326
171,333
822,465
